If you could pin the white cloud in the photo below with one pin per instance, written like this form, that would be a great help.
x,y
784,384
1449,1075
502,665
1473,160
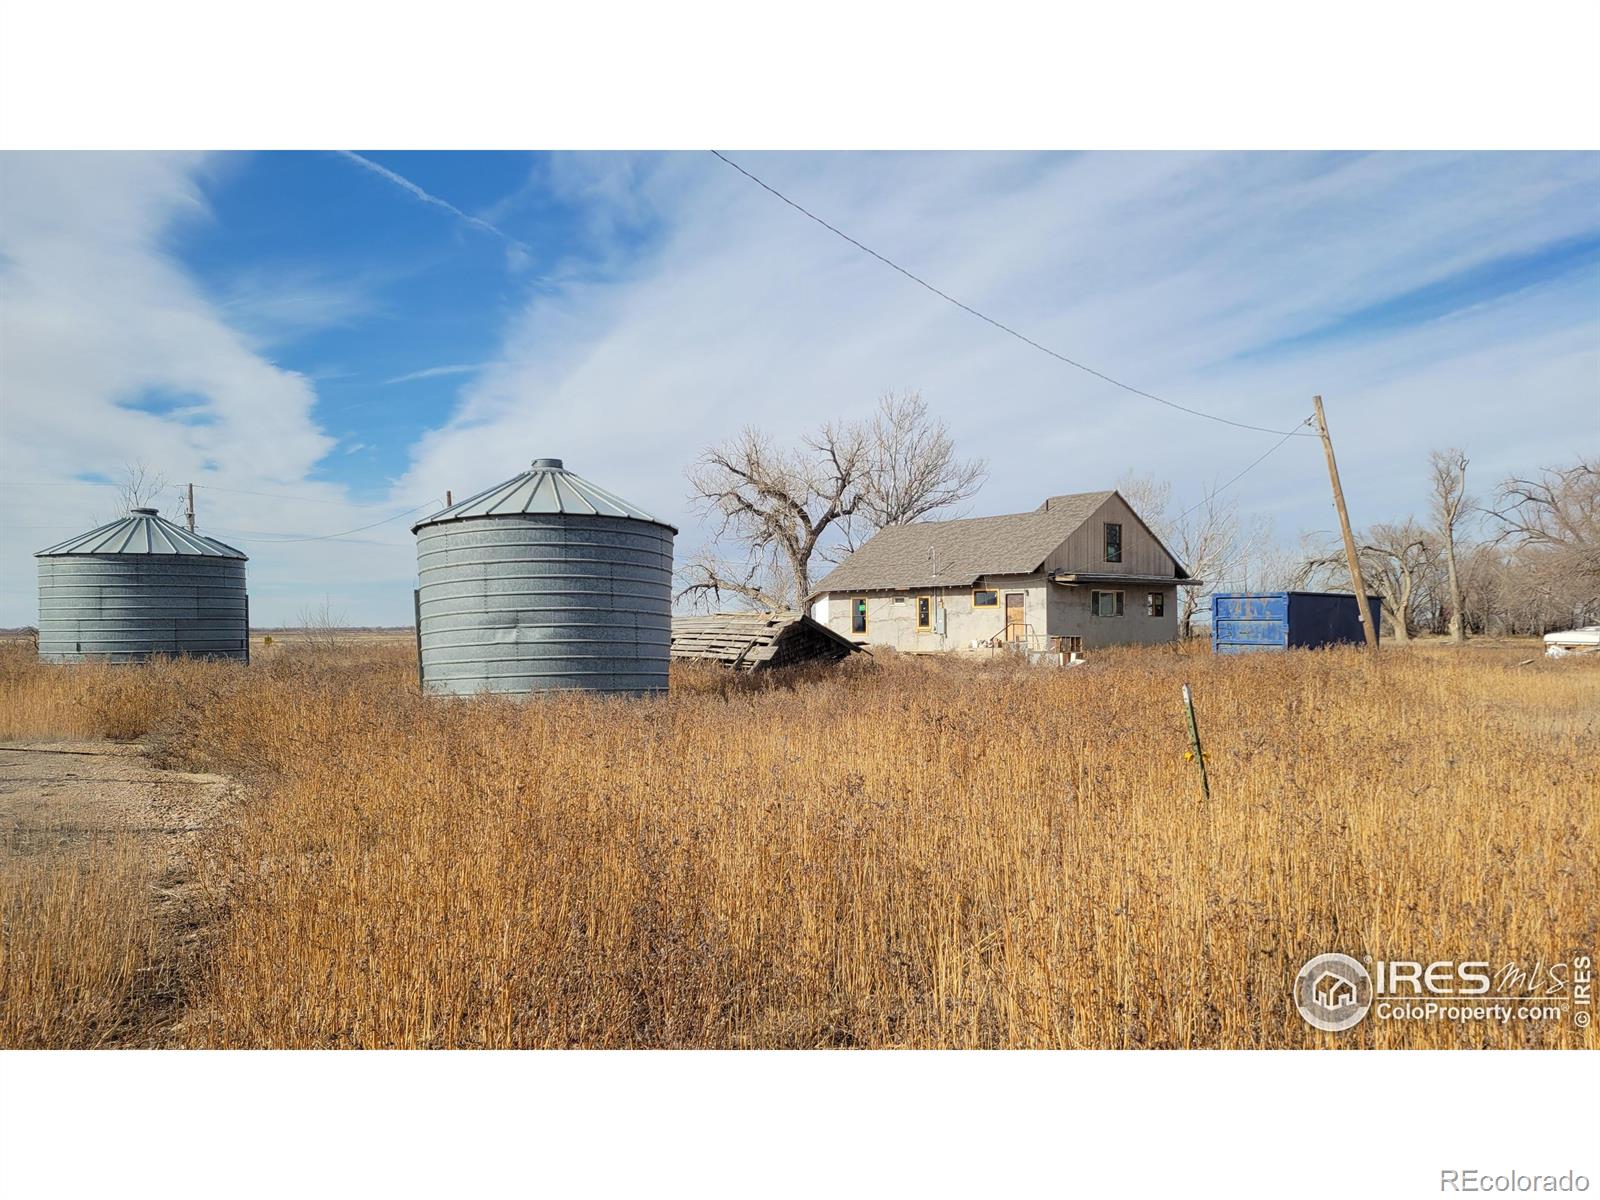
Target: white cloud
x,y
706,304
94,319
1158,269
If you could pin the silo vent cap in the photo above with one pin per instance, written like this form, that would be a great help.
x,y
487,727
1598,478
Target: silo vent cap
x,y
547,462
145,512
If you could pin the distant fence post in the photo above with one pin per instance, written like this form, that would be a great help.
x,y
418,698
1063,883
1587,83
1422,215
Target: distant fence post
x,y
1194,742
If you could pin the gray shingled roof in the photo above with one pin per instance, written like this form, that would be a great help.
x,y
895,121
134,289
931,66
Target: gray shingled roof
x,y
142,531
546,487
901,556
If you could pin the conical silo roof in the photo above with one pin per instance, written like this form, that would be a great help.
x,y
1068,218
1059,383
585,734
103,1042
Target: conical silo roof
x,y
546,487
142,531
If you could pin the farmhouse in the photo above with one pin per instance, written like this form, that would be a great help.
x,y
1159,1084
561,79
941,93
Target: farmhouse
x,y
1077,572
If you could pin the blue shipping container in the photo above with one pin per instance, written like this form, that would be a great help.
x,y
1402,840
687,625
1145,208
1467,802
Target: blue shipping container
x,y
1245,621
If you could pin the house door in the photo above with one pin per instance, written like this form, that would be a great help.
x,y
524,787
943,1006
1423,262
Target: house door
x,y
1016,627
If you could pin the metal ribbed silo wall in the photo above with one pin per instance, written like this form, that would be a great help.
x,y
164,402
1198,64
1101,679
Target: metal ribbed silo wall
x,y
124,608
531,602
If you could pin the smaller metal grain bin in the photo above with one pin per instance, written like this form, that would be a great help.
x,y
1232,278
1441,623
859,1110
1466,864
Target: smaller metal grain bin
x,y
545,581
141,586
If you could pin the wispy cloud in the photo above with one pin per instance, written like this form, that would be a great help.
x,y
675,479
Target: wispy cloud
x,y
427,197
436,372
1160,269
124,356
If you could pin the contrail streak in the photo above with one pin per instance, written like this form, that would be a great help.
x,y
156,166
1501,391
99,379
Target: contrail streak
x,y
429,198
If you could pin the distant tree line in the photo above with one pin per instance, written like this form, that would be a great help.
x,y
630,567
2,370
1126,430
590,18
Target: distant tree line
x,y
1527,562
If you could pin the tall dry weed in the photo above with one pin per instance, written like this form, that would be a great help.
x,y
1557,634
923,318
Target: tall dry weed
x,y
907,852
81,957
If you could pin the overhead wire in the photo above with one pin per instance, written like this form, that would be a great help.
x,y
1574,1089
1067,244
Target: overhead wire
x,y
326,537
1000,325
1217,491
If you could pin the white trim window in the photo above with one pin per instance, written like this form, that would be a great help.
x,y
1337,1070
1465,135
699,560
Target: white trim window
x,y
1105,604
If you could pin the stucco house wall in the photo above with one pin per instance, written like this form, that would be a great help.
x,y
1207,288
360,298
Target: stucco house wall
x,y
892,616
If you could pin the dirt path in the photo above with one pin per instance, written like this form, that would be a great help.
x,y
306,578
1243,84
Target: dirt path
x,y
62,800
57,796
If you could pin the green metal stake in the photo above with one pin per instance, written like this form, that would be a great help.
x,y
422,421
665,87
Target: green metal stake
x,y
1194,742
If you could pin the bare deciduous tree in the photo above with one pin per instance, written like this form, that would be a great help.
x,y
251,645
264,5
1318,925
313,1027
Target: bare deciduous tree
x,y
1559,512
1397,562
1552,527
913,471
761,582
1450,503
139,486
850,479
777,504
322,626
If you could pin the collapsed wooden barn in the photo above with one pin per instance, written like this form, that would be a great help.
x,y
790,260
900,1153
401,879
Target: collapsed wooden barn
x,y
756,641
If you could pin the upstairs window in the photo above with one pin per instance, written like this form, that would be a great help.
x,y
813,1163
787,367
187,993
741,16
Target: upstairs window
x,y
1155,604
1105,604
1113,542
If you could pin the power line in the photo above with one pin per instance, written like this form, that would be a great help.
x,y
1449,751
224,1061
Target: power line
x,y
1004,328
325,537
210,487
1216,491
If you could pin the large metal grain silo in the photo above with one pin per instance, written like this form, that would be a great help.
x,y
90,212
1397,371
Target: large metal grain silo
x,y
142,586
544,581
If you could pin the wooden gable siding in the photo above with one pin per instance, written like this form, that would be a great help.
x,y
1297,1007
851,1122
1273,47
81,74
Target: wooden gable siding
x,y
1084,550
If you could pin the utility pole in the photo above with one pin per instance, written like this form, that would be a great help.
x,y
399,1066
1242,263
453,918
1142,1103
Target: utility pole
x,y
189,511
1354,563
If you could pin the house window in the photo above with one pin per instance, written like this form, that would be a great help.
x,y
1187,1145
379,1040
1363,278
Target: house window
x,y
924,612
1105,604
982,599
1113,542
1155,605
858,614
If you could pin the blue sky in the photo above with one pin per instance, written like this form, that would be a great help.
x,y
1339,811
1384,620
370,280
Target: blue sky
x,y
321,340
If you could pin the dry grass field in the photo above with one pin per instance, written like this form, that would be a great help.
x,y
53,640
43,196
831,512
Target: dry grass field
x,y
901,852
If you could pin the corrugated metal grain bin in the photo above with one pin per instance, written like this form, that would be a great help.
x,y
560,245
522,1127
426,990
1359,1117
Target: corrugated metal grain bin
x,y
545,581
141,586
1245,621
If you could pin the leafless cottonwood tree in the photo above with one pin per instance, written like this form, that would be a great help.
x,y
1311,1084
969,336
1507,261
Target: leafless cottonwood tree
x,y
1557,512
1397,561
1450,504
138,486
776,503
1209,539
912,470
850,479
